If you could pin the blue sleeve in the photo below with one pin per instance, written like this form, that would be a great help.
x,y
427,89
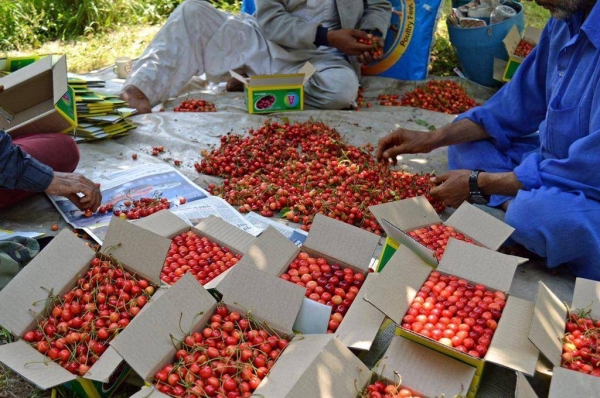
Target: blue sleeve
x,y
18,170
519,107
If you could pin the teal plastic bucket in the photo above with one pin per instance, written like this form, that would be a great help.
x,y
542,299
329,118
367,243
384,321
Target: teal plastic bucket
x,y
476,48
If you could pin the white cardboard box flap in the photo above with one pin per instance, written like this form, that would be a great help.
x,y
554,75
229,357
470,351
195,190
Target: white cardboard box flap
x,y
225,234
587,296
140,250
397,285
479,264
548,324
182,309
362,321
292,79
424,370
479,225
33,365
271,252
163,223
407,214
524,389
268,297
404,239
510,345
315,366
567,383
51,271
106,365
342,242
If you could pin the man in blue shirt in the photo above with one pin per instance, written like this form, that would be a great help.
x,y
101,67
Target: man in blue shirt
x,y
533,148
22,173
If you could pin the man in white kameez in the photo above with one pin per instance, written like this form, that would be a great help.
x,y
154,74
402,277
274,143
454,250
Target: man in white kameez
x,y
280,38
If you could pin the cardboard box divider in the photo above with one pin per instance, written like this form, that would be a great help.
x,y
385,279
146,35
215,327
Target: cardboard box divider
x,y
423,370
298,372
287,90
568,383
406,273
37,98
56,269
547,329
167,224
400,217
338,243
523,388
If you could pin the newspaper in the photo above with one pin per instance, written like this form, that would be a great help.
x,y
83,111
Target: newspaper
x,y
146,181
296,236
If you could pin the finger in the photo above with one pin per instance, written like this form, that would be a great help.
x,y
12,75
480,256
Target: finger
x,y
437,180
359,34
76,200
368,57
392,153
361,59
383,144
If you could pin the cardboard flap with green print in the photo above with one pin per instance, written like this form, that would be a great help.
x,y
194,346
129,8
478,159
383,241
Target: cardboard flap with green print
x,y
37,98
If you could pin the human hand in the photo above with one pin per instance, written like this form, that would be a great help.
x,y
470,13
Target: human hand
x,y
70,184
451,188
369,56
346,40
402,141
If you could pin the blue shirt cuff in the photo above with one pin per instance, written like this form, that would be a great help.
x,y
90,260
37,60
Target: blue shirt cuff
x,y
528,172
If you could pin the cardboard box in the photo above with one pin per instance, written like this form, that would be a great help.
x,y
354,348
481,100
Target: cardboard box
x,y
36,97
338,243
298,372
275,93
547,330
56,269
400,217
167,224
424,371
398,284
504,70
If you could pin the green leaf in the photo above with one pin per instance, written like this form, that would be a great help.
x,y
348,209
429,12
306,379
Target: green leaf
x,y
421,122
284,212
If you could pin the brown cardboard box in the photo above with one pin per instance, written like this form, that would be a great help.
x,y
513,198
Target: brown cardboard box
x,y
548,328
423,370
400,217
339,243
56,270
398,284
167,224
298,372
38,99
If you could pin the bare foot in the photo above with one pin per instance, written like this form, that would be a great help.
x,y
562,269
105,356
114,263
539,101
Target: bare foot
x,y
235,85
136,99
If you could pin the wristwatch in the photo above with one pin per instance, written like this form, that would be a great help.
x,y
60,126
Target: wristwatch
x,y
475,194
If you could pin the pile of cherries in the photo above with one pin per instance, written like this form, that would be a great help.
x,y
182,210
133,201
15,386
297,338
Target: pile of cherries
x,y
435,237
581,344
385,389
133,209
332,285
376,51
301,169
444,96
195,105
197,255
524,48
456,313
228,358
81,323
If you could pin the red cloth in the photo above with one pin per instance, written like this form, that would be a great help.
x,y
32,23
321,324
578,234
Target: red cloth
x,y
59,151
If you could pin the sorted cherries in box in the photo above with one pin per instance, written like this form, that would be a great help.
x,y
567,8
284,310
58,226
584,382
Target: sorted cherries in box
x,y
456,313
228,358
524,48
385,389
581,342
81,323
198,255
435,237
329,284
